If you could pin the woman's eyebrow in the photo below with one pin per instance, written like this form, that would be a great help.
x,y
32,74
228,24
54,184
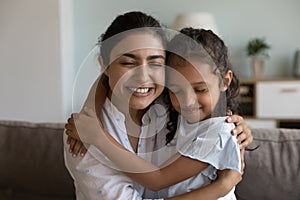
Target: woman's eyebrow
x,y
129,55
153,57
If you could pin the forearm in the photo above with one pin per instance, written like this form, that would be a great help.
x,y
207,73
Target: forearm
x,y
124,159
85,182
145,173
213,191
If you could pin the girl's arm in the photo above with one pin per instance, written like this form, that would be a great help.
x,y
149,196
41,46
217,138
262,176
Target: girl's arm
x,y
227,179
140,170
95,99
241,129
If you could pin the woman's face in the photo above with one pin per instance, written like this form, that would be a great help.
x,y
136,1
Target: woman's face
x,y
137,71
194,89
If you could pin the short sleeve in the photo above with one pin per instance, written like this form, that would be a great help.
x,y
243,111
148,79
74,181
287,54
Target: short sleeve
x,y
215,146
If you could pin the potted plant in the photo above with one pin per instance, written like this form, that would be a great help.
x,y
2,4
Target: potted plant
x,y
257,49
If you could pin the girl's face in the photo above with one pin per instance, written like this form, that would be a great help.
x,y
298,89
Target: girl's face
x,y
136,72
194,89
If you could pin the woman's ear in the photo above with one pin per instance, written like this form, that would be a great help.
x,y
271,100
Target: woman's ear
x,y
227,80
102,65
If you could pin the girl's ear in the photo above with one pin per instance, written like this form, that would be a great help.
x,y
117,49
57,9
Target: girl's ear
x,y
102,65
227,80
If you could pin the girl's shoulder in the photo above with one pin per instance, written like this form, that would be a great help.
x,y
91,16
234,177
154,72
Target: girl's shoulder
x,y
211,127
212,143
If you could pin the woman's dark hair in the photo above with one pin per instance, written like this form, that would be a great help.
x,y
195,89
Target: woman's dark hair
x,y
211,50
123,25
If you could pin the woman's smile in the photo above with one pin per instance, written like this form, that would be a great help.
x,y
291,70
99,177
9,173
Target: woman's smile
x,y
141,91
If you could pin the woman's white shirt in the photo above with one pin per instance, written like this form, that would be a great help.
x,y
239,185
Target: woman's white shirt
x,y
95,176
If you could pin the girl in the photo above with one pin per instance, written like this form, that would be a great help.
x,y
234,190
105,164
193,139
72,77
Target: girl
x,y
202,87
132,40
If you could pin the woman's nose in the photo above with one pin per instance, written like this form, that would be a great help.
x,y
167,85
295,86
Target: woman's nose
x,y
142,74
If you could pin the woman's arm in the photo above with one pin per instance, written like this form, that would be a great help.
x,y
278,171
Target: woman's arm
x,y
227,179
241,130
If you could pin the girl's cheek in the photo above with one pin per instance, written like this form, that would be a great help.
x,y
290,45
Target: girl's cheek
x,y
175,103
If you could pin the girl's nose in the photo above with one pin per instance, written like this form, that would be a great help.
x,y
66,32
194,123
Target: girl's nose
x,y
189,98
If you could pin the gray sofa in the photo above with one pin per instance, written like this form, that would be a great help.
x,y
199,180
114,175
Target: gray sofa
x,y
31,162
273,170
32,166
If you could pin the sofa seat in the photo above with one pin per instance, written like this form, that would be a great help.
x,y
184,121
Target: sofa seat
x,y
32,163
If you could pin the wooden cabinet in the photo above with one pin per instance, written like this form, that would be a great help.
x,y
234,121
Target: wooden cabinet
x,y
271,103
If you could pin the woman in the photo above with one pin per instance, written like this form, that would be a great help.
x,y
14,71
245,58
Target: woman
x,y
135,76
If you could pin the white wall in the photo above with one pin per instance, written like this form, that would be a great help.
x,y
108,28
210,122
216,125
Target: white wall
x,y
31,82
36,44
238,22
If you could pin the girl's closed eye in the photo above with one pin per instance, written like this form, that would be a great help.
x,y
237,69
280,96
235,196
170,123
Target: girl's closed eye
x,y
201,90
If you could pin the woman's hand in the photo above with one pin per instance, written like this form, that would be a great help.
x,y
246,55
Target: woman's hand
x,y
241,130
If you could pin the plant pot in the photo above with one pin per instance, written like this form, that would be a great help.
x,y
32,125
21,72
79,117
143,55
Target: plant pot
x,y
258,68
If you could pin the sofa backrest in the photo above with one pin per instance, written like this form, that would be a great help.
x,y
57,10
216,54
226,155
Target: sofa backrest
x,y
32,163
272,171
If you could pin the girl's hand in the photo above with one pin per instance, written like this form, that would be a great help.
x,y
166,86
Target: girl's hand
x,y
71,130
86,126
241,130
76,145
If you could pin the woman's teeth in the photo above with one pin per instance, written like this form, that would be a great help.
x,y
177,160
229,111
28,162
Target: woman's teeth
x,y
140,90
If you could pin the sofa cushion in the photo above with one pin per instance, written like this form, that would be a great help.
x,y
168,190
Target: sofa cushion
x,y
31,162
273,170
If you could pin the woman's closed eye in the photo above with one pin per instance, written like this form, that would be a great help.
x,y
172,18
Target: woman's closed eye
x,y
156,64
127,63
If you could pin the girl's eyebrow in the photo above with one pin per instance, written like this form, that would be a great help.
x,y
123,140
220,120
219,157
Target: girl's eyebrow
x,y
178,84
199,83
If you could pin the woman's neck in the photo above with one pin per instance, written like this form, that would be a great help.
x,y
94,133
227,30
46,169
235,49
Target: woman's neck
x,y
133,122
133,119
